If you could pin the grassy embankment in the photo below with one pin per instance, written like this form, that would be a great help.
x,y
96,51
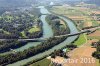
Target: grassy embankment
x,y
81,40
44,62
97,62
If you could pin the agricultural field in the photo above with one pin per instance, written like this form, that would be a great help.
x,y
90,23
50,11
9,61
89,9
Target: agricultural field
x,y
44,62
95,35
50,35
81,16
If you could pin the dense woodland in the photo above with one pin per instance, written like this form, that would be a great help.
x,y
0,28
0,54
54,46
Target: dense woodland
x,y
12,24
16,24
13,57
58,28
96,54
6,45
60,53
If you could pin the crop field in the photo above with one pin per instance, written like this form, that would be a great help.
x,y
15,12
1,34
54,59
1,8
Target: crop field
x,y
81,15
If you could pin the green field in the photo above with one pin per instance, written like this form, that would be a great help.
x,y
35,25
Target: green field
x,y
44,62
66,11
97,62
34,29
81,40
23,34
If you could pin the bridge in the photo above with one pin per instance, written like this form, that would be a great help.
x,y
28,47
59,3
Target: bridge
x,y
35,39
25,39
78,33
45,14
90,30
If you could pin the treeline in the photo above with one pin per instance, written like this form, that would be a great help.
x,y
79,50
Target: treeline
x,y
60,53
37,34
89,27
6,45
57,27
96,54
10,58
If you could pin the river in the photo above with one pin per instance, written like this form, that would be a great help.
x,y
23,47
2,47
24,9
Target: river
x,y
72,28
47,33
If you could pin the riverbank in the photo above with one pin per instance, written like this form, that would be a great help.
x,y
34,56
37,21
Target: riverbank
x,y
72,28
59,26
47,33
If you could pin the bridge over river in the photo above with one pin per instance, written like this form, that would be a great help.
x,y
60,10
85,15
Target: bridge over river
x,y
72,28
44,39
90,30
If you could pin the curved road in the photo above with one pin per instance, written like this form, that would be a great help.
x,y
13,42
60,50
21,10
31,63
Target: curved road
x,y
72,28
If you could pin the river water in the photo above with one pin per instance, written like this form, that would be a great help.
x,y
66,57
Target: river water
x,y
72,28
47,33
